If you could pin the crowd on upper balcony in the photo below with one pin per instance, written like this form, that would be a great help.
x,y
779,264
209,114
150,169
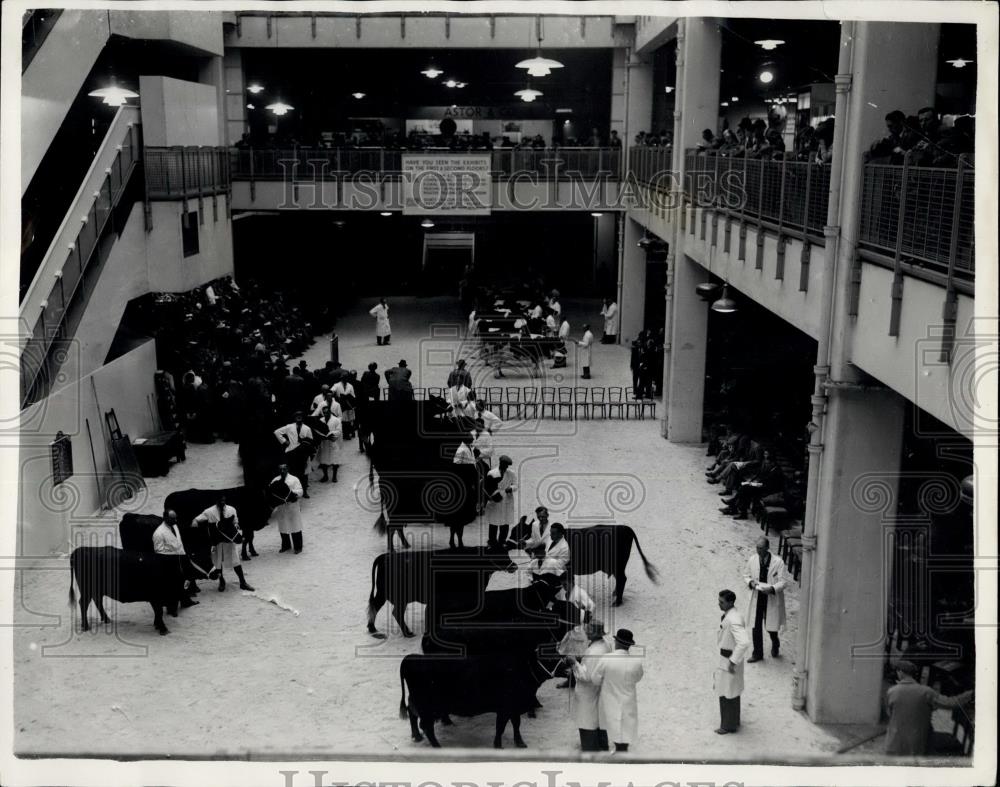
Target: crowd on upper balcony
x,y
930,140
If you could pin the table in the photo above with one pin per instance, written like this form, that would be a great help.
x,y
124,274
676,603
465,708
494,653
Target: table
x,y
154,452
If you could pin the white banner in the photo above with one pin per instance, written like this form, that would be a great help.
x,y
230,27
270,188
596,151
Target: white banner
x,y
455,183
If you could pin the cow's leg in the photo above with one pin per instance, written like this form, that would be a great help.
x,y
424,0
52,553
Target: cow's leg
x,y
619,586
158,623
99,603
515,723
427,725
414,732
84,609
398,612
501,726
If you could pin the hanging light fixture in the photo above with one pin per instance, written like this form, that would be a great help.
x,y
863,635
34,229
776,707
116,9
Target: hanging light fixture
x,y
255,88
431,72
427,224
251,106
766,76
769,43
359,95
280,108
113,95
385,213
528,94
725,304
959,62
538,66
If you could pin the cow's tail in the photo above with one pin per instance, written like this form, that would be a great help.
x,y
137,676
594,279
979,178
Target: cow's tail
x,y
372,599
72,595
381,526
651,571
402,692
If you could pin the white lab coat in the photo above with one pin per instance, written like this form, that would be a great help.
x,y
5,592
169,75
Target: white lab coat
x,y
555,306
167,541
611,319
556,558
464,455
536,313
485,445
586,695
331,446
381,315
777,579
538,536
584,355
503,512
288,516
457,395
293,434
616,674
732,636
317,404
225,554
334,409
491,420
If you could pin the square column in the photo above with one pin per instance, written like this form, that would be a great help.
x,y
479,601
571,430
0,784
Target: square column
x,y
684,383
699,92
632,283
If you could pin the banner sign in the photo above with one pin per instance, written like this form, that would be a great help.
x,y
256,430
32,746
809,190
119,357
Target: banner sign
x,y
447,183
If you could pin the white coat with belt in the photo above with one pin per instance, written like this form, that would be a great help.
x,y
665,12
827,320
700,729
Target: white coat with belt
x,y
732,636
586,694
381,315
501,507
583,358
289,515
777,578
616,675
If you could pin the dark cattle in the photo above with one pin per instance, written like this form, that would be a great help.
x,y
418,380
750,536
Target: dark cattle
x,y
136,534
504,684
602,548
251,504
439,578
412,450
260,454
126,577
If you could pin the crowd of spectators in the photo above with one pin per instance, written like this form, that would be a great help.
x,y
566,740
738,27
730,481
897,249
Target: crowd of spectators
x,y
929,140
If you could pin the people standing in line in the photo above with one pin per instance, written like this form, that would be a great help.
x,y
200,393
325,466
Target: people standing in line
x,y
167,541
586,694
766,578
910,706
330,445
285,489
584,353
616,675
225,523
611,320
733,645
299,442
383,330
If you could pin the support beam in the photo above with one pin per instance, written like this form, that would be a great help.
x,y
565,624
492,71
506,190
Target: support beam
x,y
684,399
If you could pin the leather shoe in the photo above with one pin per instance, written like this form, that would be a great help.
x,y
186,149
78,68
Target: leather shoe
x,y
728,510
740,516
775,652
754,658
722,731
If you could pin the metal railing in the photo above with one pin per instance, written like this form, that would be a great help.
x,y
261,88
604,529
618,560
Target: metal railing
x,y
61,276
186,172
35,28
651,166
303,164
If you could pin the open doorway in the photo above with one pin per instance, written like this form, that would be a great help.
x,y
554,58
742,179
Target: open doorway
x,y
445,259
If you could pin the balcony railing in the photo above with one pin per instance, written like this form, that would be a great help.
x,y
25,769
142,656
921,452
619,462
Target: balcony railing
x,y
76,255
186,172
304,164
651,166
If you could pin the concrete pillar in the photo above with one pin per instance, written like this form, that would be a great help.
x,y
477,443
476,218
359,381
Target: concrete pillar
x,y
631,95
684,383
236,96
632,291
856,498
700,91
619,58
605,254
212,73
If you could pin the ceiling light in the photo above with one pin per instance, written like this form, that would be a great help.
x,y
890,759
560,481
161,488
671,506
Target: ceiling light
x,y
113,94
528,94
769,43
279,108
959,62
358,96
461,84
725,304
596,214
432,73
385,213
251,106
734,98
724,104
669,88
564,110
766,77
451,83
707,290
255,88
427,224
539,66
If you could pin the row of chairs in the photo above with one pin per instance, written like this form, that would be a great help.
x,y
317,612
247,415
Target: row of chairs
x,y
530,402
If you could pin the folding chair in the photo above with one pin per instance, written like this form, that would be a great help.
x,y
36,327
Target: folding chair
x,y
420,394
615,394
631,403
529,400
548,399
598,400
580,400
514,401
565,400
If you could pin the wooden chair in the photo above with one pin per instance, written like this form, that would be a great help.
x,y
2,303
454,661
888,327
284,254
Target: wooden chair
x,y
529,401
631,403
420,394
494,399
643,404
435,391
549,399
598,401
581,400
514,401
615,401
565,400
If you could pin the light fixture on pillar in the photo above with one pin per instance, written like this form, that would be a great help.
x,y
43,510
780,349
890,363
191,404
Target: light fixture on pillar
x,y
725,304
707,290
280,108
255,88
113,95
385,213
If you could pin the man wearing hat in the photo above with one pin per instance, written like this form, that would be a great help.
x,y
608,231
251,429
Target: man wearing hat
x,y
586,695
733,645
460,376
616,675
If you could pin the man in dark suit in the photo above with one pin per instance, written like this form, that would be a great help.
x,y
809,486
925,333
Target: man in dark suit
x,y
398,379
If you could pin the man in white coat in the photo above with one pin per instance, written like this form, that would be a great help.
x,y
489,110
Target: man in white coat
x,y
286,489
611,319
383,331
224,523
733,645
167,541
584,351
586,695
499,486
616,675
765,576
299,441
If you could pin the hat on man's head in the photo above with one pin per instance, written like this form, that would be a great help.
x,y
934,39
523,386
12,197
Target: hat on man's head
x,y
504,459
624,637
461,362
594,629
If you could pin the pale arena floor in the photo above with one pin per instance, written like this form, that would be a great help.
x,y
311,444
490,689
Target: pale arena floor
x,y
290,669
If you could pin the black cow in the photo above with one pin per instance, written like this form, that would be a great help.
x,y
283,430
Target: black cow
x,y
438,578
136,534
251,504
126,577
503,683
604,548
